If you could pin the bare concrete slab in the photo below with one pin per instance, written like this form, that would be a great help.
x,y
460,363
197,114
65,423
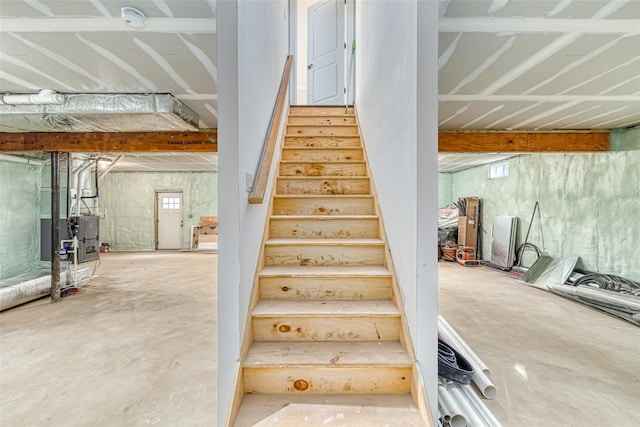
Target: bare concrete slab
x,y
136,346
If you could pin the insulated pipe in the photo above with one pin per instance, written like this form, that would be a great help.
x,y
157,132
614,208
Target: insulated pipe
x,y
451,408
79,186
18,159
44,97
480,407
472,416
450,335
626,302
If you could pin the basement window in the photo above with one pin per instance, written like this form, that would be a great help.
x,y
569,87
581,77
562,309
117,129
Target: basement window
x,y
170,203
499,170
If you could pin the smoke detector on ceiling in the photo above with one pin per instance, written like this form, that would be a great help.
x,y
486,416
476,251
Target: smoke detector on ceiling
x,y
132,17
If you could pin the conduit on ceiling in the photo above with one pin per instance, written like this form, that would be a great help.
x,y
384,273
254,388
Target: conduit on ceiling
x,y
94,113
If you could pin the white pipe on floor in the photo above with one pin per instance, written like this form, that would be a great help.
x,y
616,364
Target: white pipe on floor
x,y
453,338
628,302
480,407
453,415
472,416
485,385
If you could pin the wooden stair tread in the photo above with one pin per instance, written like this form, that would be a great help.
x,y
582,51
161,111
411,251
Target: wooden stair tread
x,y
321,177
331,353
293,410
322,196
323,217
321,162
324,242
328,271
314,308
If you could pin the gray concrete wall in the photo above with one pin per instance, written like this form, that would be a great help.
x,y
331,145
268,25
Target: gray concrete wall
x,y
128,200
20,218
589,204
445,198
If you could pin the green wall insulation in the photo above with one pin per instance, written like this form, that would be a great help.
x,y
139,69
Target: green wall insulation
x,y
625,139
20,218
128,202
589,206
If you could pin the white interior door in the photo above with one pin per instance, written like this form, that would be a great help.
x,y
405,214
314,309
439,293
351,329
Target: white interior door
x,y
326,53
169,220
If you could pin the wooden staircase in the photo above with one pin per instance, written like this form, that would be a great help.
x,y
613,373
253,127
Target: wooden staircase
x,y
326,327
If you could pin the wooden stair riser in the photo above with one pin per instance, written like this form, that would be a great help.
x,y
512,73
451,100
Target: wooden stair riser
x,y
322,186
323,169
323,205
300,120
328,380
306,110
340,130
324,227
322,142
326,328
323,154
324,255
304,288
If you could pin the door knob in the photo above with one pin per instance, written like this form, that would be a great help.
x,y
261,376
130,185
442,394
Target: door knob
x,y
309,66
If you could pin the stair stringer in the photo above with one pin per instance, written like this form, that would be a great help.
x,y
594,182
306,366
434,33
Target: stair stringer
x,y
418,391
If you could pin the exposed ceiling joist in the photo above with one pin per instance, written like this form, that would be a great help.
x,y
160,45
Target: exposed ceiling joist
x,y
538,25
93,25
122,142
522,142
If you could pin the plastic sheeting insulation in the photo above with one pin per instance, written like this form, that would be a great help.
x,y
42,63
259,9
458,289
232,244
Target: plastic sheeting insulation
x,y
101,113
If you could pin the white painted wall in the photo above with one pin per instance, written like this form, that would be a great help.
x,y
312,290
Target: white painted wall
x,y
396,99
252,42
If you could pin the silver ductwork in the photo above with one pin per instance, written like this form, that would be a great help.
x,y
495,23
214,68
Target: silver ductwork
x,y
95,113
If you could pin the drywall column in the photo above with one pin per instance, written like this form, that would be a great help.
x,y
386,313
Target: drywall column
x,y
252,41
427,190
55,224
396,101
229,333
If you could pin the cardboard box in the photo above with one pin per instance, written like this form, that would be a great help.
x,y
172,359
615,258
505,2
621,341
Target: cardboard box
x,y
204,238
207,230
468,224
208,221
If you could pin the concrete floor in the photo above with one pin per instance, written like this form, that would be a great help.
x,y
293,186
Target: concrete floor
x,y
555,362
136,346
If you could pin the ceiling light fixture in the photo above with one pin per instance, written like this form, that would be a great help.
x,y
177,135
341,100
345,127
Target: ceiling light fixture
x,y
132,17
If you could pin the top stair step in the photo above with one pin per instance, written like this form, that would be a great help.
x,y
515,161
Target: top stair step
x,y
322,130
325,120
318,110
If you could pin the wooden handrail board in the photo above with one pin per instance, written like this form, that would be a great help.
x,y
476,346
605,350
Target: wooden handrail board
x,y
256,196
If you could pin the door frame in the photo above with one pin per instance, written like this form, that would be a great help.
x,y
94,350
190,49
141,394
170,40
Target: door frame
x,y
350,19
156,213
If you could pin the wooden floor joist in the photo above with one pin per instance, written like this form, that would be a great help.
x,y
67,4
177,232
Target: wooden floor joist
x,y
523,142
92,142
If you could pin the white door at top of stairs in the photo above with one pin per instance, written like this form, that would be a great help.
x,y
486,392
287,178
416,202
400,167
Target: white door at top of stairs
x,y
326,47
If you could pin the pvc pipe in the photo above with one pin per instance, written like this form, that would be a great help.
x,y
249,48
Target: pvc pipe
x,y
453,338
480,407
79,185
472,416
628,302
456,417
18,159
108,169
485,385
45,96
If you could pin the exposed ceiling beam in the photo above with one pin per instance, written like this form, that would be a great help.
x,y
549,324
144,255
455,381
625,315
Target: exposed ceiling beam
x,y
521,142
538,25
539,98
121,142
92,25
